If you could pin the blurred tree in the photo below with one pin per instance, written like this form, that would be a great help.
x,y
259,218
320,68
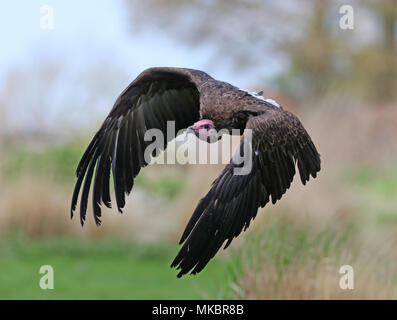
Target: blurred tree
x,y
241,33
312,67
375,65
305,35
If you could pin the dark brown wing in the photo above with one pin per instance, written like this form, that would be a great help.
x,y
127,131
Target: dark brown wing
x,y
279,142
156,96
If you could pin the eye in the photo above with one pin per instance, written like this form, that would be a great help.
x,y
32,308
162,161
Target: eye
x,y
206,126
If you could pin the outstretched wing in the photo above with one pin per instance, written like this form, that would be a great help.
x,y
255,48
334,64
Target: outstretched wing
x,y
156,96
279,142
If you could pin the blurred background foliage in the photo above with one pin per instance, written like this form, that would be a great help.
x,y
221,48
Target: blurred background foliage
x,y
304,34
341,83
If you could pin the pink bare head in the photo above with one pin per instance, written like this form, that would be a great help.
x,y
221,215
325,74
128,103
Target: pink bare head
x,y
204,130
203,124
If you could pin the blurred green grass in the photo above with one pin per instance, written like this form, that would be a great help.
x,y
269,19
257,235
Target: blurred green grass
x,y
111,268
59,164
377,187
282,245
103,269
381,180
299,261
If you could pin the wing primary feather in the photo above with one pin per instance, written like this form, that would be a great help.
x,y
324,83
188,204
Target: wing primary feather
x,y
128,160
85,159
86,190
203,203
96,196
117,183
99,180
76,192
81,171
105,195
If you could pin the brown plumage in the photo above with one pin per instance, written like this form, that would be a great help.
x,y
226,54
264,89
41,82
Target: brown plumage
x,y
158,95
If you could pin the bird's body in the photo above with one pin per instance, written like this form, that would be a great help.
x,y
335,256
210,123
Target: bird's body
x,y
195,100
228,106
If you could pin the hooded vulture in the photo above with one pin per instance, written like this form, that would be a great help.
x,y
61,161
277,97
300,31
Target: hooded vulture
x,y
196,101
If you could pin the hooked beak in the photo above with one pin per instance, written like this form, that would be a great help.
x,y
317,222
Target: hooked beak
x,y
190,130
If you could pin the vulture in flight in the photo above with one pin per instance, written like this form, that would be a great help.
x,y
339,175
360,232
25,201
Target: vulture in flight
x,y
196,101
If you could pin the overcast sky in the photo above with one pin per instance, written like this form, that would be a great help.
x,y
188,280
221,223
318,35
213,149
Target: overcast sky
x,y
85,34
87,30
